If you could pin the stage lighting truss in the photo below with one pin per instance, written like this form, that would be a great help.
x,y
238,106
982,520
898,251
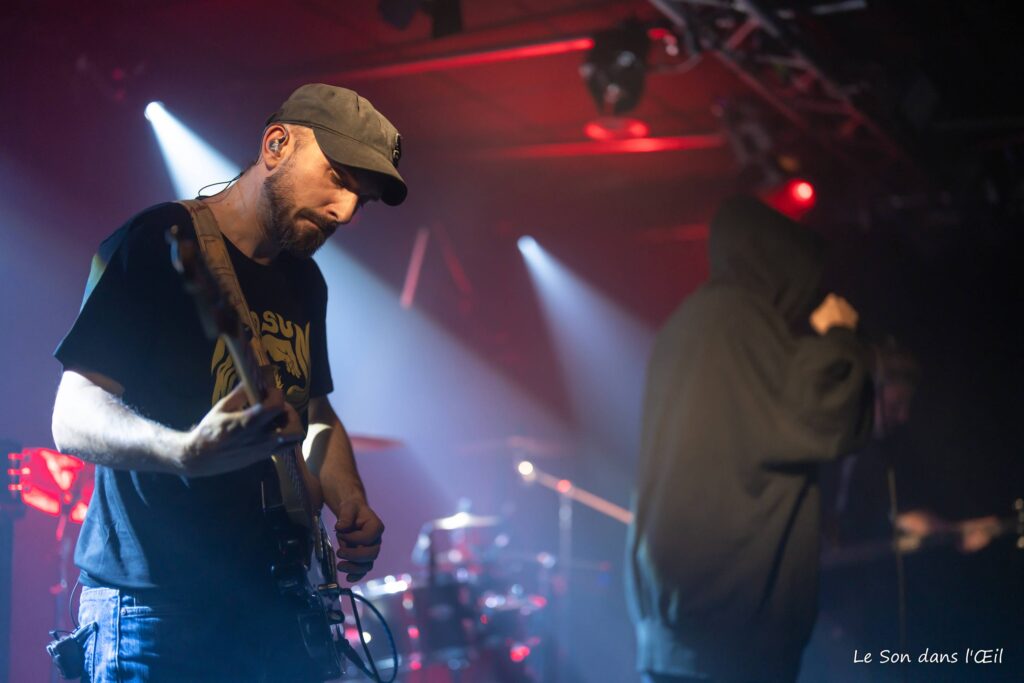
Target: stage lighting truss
x,y
445,15
763,50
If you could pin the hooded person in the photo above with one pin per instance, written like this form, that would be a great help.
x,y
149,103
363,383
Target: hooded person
x,y
740,407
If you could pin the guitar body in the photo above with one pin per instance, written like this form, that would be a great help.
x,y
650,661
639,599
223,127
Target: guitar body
x,y
304,572
304,569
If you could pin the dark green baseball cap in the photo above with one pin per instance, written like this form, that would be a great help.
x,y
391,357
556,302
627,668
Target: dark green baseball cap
x,y
350,132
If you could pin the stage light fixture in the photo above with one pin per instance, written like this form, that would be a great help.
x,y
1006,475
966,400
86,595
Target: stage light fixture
x,y
794,197
615,69
528,246
802,191
445,15
52,482
398,13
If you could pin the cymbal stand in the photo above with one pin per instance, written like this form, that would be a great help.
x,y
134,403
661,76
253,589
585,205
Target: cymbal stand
x,y
564,562
567,494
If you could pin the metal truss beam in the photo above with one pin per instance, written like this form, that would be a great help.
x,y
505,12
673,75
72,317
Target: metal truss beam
x,y
761,49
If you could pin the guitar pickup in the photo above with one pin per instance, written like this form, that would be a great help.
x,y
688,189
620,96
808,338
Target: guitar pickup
x,y
332,590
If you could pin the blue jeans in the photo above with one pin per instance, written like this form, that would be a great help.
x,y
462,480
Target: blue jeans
x,y
149,637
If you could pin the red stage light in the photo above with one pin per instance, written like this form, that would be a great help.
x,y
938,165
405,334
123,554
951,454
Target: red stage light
x,y
794,198
53,482
415,665
564,486
518,653
414,632
802,191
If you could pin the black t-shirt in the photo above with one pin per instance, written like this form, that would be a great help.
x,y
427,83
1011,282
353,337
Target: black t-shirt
x,y
138,326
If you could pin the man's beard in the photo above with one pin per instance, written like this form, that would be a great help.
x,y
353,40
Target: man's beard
x,y
281,225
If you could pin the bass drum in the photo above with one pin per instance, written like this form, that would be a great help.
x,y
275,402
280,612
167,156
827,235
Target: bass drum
x,y
432,624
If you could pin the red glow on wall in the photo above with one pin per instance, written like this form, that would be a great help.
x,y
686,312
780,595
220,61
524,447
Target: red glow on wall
x,y
615,128
596,131
676,143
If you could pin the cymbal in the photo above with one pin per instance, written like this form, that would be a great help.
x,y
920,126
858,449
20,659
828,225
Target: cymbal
x,y
314,446
518,445
463,520
363,443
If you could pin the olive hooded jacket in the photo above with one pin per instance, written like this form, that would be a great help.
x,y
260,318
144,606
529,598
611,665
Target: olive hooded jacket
x,y
738,411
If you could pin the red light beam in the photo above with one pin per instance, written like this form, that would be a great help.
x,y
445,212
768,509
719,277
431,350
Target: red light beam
x,y
467,59
678,143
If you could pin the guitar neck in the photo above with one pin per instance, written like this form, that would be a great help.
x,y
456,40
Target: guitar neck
x,y
246,368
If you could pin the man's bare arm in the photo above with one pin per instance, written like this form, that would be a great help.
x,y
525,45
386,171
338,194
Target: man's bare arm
x,y
359,529
338,474
91,422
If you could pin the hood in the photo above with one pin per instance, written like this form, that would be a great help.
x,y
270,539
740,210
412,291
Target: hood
x,y
766,252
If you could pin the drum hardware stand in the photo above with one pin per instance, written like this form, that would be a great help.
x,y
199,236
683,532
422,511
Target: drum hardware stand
x,y
564,561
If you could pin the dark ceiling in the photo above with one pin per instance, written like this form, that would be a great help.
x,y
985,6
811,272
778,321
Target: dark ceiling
x,y
481,140
931,71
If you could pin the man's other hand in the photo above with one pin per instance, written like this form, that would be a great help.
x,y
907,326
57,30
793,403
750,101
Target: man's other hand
x,y
359,531
834,311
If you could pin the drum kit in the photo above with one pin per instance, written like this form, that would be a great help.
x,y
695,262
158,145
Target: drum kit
x,y
474,614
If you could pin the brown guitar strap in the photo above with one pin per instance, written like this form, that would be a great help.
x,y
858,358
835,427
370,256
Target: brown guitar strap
x,y
211,243
215,252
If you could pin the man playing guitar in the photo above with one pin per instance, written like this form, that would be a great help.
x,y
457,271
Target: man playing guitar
x,y
177,557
